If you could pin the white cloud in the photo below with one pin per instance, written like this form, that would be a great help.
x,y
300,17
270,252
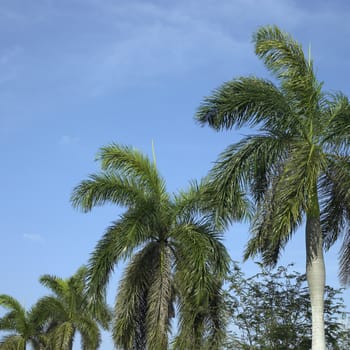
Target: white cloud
x,y
108,44
32,237
160,40
68,140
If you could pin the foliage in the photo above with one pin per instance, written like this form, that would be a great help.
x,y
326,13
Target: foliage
x,y
296,164
22,327
172,244
302,140
67,311
271,311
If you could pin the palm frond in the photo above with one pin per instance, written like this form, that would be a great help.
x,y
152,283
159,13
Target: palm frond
x,y
159,299
8,321
248,166
49,307
12,342
285,58
90,333
119,241
335,198
10,303
107,187
200,201
57,285
199,256
243,101
336,126
133,164
344,259
335,210
131,303
201,325
62,336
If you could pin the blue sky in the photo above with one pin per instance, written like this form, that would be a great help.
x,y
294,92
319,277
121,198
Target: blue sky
x,y
78,74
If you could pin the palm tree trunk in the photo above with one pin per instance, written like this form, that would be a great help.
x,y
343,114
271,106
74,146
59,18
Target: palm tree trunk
x,y
315,273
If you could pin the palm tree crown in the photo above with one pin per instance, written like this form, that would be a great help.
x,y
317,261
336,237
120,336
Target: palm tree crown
x,y
173,249
296,165
67,311
23,327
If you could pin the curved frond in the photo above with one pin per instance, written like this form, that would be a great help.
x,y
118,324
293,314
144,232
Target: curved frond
x,y
132,164
335,210
10,303
335,199
248,166
285,58
344,259
107,187
57,285
200,200
129,326
199,256
202,326
243,101
12,342
8,321
336,127
159,299
16,317
119,241
50,307
90,334
62,336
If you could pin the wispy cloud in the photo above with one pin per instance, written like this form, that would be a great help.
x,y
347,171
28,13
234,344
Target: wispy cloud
x,y
10,63
32,237
68,140
107,44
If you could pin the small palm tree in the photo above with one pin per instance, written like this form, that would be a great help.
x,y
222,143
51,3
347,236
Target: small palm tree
x,y
297,164
22,327
173,249
67,312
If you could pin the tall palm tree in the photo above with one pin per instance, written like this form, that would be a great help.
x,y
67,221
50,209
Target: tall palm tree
x,y
22,327
296,164
67,312
173,250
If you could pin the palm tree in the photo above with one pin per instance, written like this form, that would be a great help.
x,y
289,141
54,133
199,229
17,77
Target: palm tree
x,y
22,327
173,249
296,164
67,312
